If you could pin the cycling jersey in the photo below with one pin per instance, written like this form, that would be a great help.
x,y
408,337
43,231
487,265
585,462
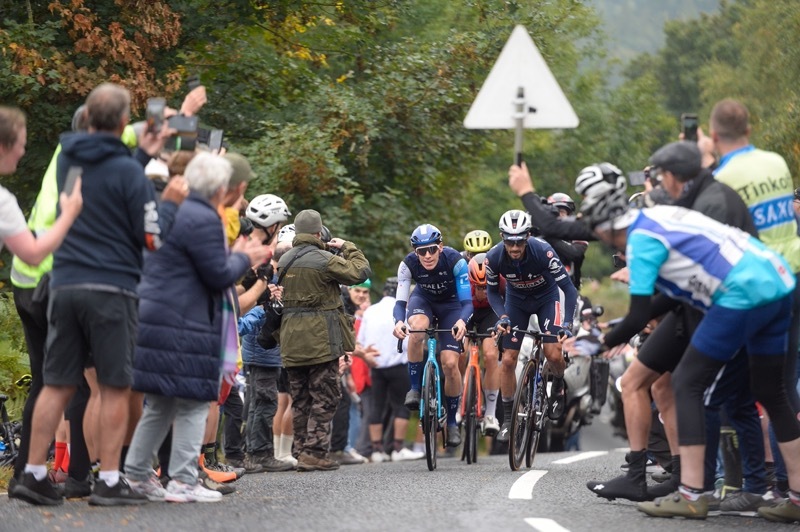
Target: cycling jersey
x,y
764,182
691,257
447,281
537,275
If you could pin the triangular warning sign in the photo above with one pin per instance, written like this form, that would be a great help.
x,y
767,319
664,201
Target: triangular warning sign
x,y
520,65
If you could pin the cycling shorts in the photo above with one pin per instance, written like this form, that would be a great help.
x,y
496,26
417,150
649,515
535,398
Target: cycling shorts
x,y
484,319
519,312
447,312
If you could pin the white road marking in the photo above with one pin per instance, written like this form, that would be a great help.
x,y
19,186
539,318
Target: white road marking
x,y
545,525
523,487
579,457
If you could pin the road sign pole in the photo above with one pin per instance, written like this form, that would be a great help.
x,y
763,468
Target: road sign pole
x,y
519,119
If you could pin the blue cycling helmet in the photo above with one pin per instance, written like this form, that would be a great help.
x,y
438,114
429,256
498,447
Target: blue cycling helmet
x,y
425,234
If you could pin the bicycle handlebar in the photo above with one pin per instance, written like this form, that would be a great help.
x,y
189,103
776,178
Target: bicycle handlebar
x,y
536,334
429,331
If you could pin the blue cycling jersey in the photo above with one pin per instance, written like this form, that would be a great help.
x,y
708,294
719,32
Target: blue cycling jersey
x,y
447,281
537,275
691,257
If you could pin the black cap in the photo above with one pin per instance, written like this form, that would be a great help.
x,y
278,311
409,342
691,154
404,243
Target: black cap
x,y
682,158
797,194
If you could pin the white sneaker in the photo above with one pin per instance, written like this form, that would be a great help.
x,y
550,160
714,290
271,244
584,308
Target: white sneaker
x,y
189,493
358,456
288,459
490,426
406,454
152,489
378,457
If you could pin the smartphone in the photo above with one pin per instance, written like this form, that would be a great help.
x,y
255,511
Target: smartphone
x,y
155,114
73,174
689,126
183,124
192,82
215,140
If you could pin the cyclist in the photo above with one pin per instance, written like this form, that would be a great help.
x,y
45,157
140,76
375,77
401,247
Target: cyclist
x,y
484,318
477,241
442,292
267,212
745,290
533,274
571,252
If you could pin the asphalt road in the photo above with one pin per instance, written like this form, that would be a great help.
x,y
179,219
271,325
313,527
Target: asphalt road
x,y
403,496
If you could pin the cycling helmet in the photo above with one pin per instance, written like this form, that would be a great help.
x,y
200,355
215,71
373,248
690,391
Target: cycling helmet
x,y
267,210
286,234
477,269
515,225
605,203
425,234
599,173
559,200
477,241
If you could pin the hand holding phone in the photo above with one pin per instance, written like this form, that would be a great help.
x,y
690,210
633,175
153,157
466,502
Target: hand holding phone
x,y
689,126
155,114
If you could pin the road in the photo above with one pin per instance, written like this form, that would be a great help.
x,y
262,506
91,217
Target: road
x,y
401,496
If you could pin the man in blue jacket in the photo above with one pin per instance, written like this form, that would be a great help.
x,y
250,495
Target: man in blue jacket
x,y
93,306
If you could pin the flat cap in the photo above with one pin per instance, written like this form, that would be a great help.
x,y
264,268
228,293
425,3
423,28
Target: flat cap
x,y
682,158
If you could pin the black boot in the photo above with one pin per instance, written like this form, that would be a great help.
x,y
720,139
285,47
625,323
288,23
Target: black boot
x,y
631,486
668,486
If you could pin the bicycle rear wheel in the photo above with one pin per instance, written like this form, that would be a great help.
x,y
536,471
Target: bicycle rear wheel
x,y
539,417
521,416
430,422
471,419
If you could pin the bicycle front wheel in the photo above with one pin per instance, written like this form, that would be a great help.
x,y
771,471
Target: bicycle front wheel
x,y
539,418
521,416
430,421
471,418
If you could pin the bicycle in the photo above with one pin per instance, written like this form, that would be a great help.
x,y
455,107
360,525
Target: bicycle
x,y
472,400
529,413
10,433
432,411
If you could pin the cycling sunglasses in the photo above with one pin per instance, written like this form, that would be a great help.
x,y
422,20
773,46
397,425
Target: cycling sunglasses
x,y
514,243
427,250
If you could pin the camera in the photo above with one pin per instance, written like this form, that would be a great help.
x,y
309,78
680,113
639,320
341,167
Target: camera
x,y
265,272
154,115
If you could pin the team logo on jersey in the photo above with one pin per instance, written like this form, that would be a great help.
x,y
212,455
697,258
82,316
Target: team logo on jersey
x,y
549,254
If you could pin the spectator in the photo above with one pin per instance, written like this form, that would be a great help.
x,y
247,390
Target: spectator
x,y
390,380
178,347
93,290
315,332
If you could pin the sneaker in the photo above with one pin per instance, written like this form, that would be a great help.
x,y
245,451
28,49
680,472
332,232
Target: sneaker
x,y
406,454
661,476
358,456
309,462
453,436
377,457
210,484
490,426
556,399
345,458
236,463
78,489
153,490
713,504
272,464
676,505
505,432
217,474
12,487
742,503
38,492
120,494
181,492
784,512
289,459
412,400
251,465
226,468
57,477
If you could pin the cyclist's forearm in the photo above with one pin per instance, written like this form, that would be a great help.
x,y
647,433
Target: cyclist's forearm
x,y
637,318
399,312
496,301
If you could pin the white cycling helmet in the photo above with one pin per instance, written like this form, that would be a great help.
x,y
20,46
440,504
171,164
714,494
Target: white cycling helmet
x,y
599,173
286,234
515,225
267,210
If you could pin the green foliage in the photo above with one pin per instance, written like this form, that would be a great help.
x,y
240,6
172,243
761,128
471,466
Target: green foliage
x,y
13,359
